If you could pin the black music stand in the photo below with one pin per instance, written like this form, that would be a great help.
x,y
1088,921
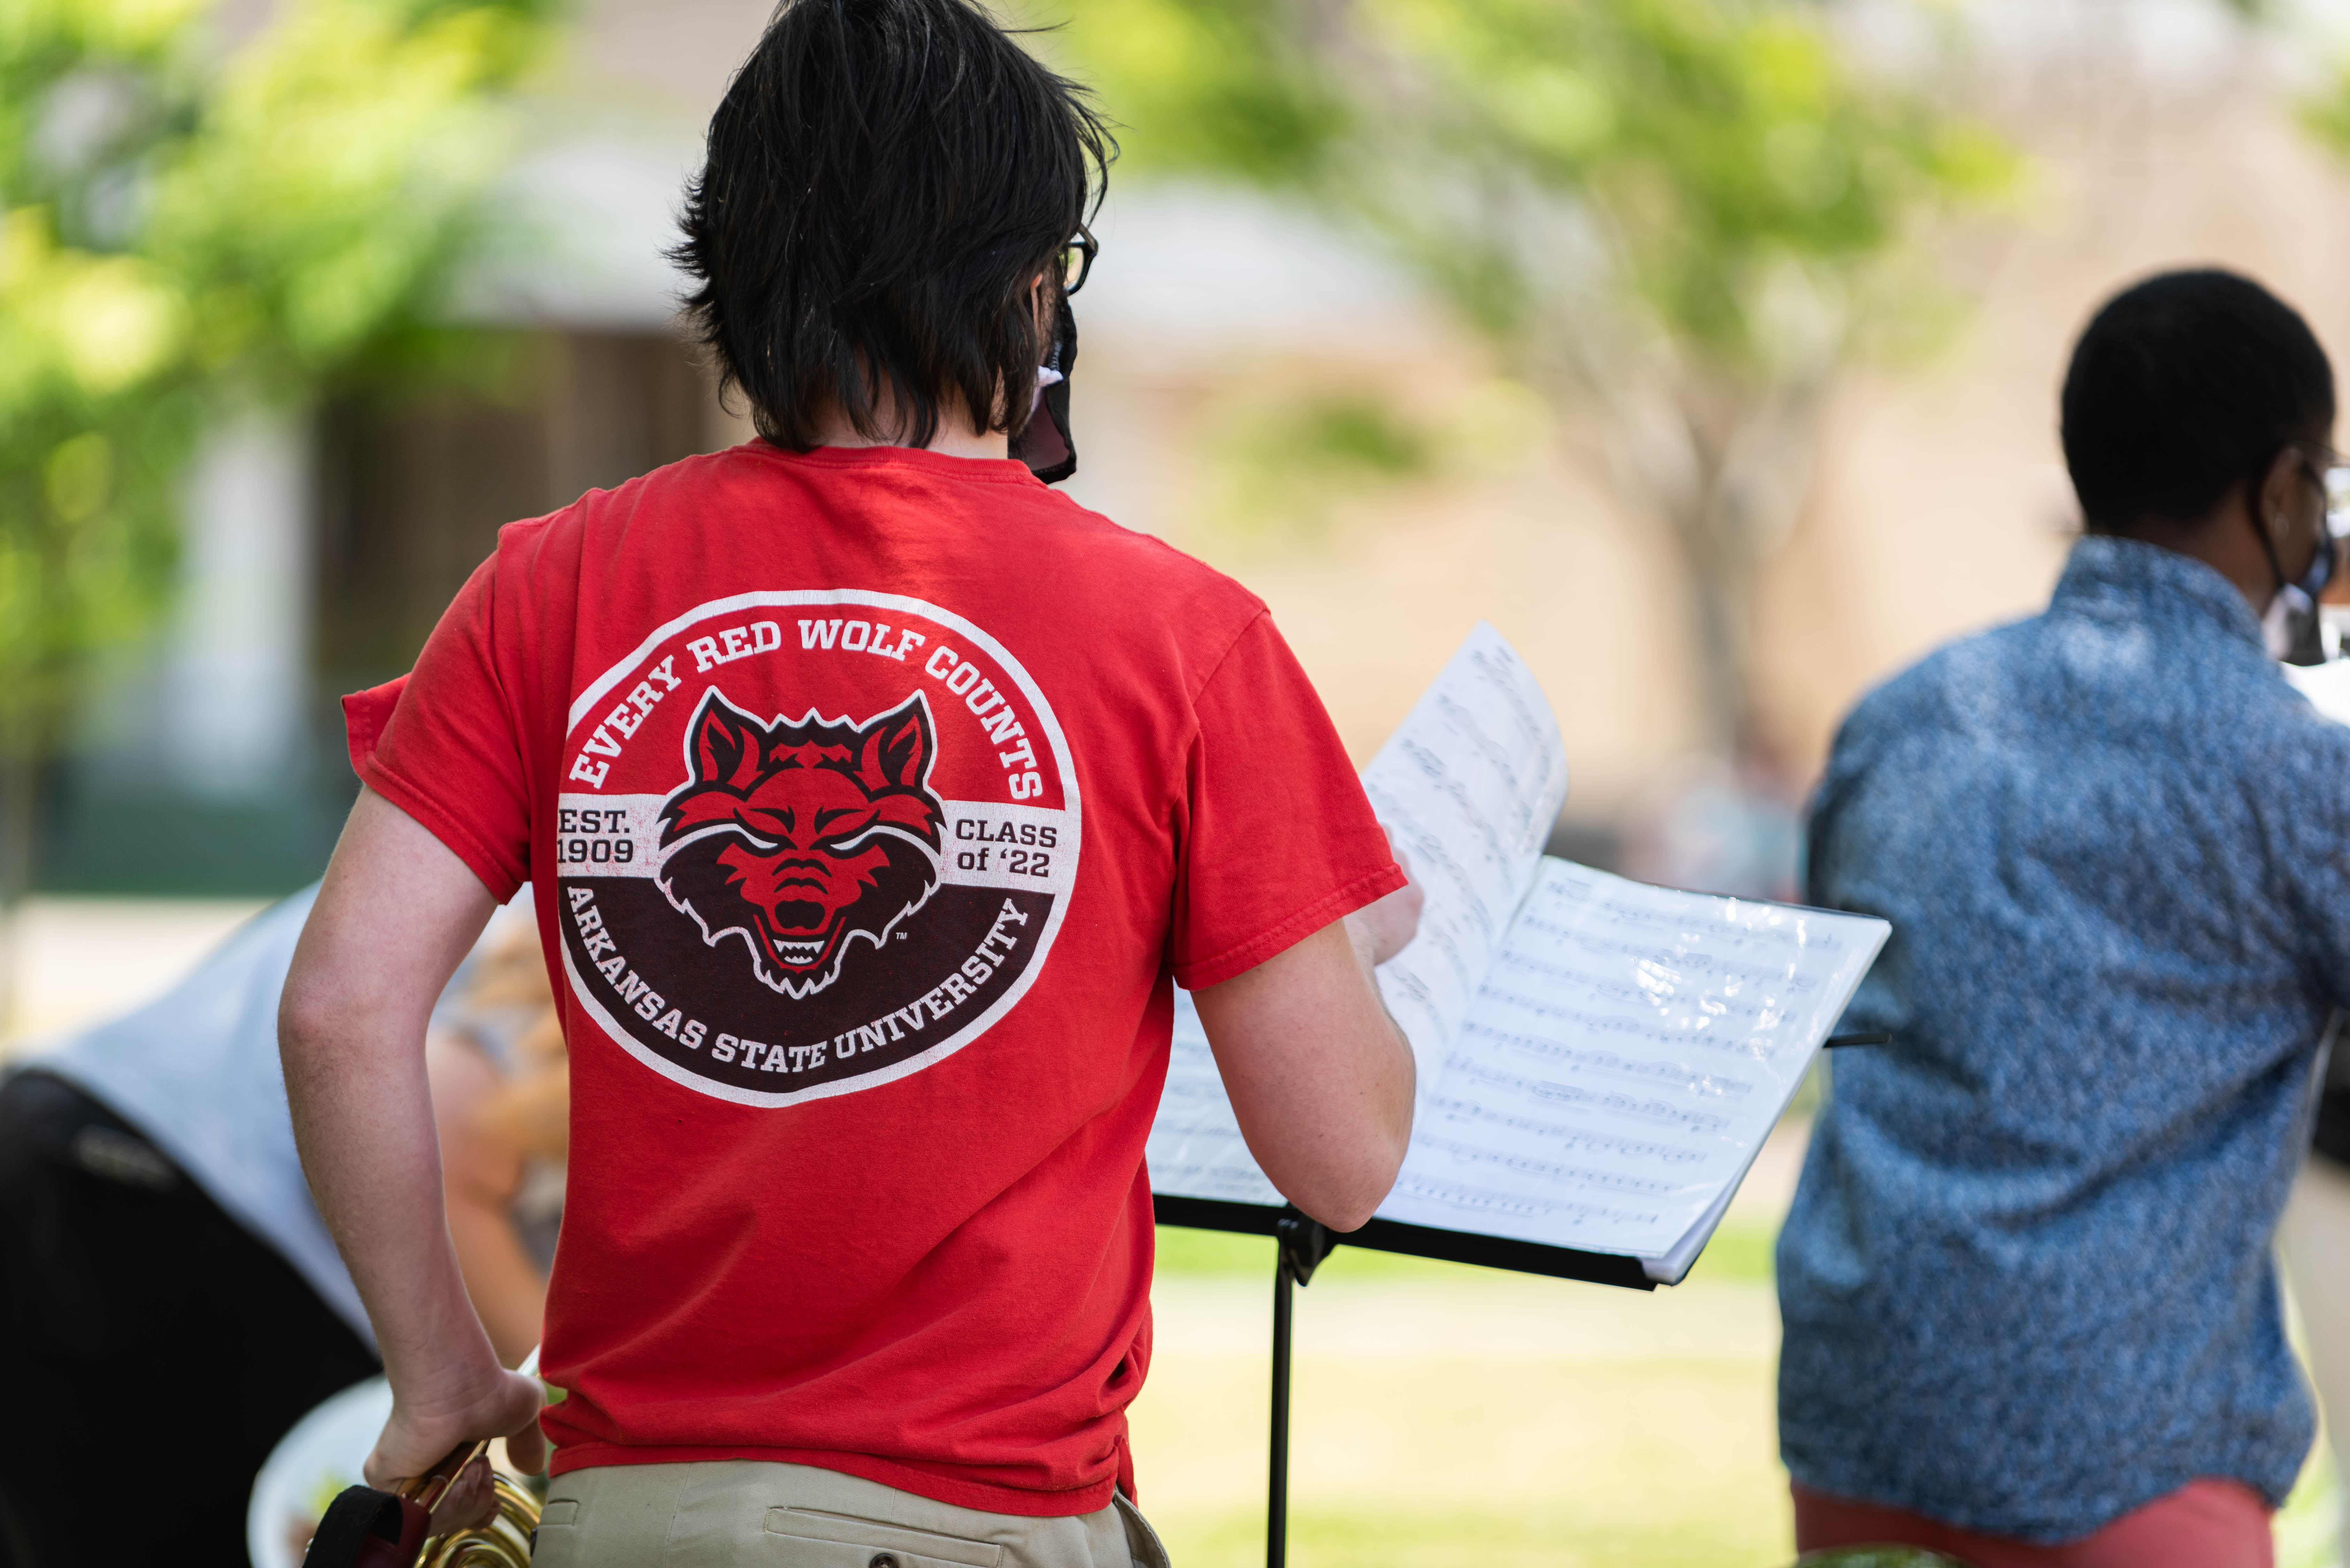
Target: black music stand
x,y
1300,1245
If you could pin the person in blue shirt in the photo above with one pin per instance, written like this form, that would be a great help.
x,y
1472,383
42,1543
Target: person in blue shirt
x,y
2032,1316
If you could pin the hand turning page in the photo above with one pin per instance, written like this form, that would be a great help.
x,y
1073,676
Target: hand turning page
x,y
1599,1059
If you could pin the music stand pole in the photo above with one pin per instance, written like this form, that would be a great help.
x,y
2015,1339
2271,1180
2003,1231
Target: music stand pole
x,y
1276,1502
1300,1244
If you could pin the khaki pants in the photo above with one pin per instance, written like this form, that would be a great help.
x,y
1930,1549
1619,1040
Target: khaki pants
x,y
717,1515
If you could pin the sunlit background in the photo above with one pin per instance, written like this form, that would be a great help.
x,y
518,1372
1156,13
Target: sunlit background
x,y
1707,349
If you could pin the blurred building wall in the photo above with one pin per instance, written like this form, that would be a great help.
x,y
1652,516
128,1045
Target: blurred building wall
x,y
1943,505
2162,134
235,663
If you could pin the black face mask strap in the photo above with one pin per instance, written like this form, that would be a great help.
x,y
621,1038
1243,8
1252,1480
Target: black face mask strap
x,y
1046,445
2252,488
2267,548
2308,642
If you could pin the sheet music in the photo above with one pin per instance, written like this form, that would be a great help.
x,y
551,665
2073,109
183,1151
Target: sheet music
x,y
2327,686
1628,1051
1196,1149
1600,1060
1470,784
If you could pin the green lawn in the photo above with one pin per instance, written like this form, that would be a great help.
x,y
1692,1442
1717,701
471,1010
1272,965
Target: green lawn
x,y
1448,1416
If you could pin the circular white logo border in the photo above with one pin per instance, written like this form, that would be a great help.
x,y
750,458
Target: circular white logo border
x,y
585,704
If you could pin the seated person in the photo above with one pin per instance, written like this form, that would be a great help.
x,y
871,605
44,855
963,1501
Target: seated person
x,y
2031,1314
501,1102
160,1250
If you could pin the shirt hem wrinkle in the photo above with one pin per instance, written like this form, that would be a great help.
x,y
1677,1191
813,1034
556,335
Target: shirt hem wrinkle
x,y
934,1482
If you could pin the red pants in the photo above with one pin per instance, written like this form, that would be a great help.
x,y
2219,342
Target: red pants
x,y
2204,1525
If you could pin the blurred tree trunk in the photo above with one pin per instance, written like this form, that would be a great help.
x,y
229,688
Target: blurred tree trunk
x,y
1725,467
1687,212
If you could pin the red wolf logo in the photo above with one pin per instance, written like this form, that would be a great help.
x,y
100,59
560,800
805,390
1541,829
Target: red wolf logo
x,y
799,837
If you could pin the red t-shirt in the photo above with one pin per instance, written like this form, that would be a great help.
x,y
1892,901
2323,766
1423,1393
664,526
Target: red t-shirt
x,y
869,798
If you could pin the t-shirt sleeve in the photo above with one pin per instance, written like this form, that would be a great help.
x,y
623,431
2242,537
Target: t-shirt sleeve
x,y
365,715
443,746
1277,839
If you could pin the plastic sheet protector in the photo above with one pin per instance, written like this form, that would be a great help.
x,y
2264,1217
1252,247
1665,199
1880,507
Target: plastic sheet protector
x,y
1600,1060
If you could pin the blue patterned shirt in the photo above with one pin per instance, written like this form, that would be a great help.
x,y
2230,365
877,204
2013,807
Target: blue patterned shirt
x,y
2027,1282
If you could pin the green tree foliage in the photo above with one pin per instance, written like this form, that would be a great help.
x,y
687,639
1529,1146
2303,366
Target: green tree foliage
x,y
2325,114
1691,212
190,226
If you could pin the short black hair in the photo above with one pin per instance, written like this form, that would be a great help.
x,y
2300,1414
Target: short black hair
x,y
2182,388
885,178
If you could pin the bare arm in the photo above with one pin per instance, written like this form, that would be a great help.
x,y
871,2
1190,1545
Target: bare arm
x,y
1320,1077
395,918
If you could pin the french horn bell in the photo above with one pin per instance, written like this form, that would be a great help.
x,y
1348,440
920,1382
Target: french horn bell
x,y
503,1542
325,1451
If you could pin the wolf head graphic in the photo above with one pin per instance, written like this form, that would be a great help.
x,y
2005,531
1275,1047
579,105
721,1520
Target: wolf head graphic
x,y
801,836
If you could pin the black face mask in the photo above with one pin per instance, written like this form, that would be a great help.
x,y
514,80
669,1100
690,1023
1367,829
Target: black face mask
x,y
2291,627
1046,445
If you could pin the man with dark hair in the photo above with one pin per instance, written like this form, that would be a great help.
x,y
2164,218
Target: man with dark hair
x,y
870,794
2032,1316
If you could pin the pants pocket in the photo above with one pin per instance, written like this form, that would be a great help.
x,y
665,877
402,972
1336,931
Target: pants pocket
x,y
557,1534
820,1540
1142,1542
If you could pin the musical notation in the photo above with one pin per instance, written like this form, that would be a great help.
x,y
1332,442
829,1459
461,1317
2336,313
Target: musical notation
x,y
1549,1170
1583,1059
1459,1196
1657,1112
1196,1148
1599,1059
1620,1005
1470,784
1636,1031
1645,988
1558,1135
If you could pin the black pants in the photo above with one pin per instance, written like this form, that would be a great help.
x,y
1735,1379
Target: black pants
x,y
151,1351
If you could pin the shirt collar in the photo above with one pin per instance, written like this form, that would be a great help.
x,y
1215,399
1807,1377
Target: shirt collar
x,y
2108,575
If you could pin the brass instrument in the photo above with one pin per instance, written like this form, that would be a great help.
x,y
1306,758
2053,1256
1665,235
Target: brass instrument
x,y
325,1451
503,1542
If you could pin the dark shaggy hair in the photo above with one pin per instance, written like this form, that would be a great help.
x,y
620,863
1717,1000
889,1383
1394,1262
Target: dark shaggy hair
x,y
885,178
2183,387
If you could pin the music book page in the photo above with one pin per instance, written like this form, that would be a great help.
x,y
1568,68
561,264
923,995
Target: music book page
x,y
1469,785
1599,1059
